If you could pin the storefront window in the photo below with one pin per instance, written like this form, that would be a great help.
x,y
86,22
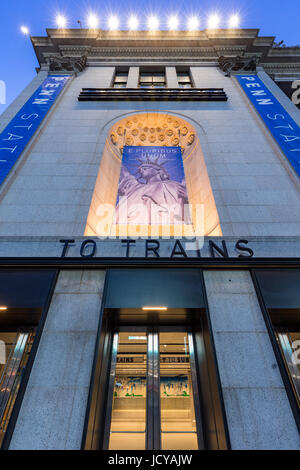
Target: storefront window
x,y
23,296
281,296
289,341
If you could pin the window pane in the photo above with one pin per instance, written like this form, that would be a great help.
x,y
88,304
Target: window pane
x,y
289,341
178,422
121,80
15,348
128,422
281,295
146,79
185,79
159,79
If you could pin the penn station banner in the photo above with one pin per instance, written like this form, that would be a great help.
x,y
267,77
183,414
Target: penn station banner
x,y
282,127
22,127
152,186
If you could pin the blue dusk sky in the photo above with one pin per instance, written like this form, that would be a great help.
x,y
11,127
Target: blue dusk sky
x,y
273,17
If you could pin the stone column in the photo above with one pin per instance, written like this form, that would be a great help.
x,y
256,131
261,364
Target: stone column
x,y
207,77
171,77
133,77
53,409
284,100
257,407
106,77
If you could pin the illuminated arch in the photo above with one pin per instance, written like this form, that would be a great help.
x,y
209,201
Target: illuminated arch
x,y
153,129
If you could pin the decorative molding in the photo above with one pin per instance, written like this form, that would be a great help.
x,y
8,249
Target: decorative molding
x,y
66,64
237,64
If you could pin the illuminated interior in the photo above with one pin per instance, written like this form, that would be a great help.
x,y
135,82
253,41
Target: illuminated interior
x,y
157,130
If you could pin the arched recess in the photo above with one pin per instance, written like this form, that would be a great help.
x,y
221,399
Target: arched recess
x,y
153,129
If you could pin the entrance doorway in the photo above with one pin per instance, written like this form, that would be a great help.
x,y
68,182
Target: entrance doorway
x,y
153,398
155,380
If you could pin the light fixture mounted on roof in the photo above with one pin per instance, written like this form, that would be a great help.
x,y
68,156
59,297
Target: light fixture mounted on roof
x,y
173,22
61,21
213,21
93,21
113,22
193,23
234,21
153,23
25,30
133,23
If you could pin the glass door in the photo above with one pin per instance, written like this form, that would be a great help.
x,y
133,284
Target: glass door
x,y
153,399
178,420
129,380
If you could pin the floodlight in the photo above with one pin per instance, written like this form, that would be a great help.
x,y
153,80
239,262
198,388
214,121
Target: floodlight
x,y
93,21
213,21
25,30
193,23
113,22
173,22
153,22
61,21
234,21
133,22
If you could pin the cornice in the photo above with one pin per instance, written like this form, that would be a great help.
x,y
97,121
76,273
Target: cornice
x,y
205,45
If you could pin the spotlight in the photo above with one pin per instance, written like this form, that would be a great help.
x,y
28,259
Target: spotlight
x,y
113,22
234,21
61,21
93,21
25,30
153,22
154,308
173,22
193,23
213,21
133,22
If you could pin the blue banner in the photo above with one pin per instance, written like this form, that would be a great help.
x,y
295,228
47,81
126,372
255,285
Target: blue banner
x,y
152,188
282,127
22,127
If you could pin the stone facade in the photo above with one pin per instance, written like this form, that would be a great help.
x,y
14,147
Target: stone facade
x,y
253,194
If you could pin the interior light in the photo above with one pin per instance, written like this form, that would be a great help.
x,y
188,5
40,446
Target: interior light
x,y
153,22
25,30
133,22
213,21
234,21
93,21
193,23
137,337
173,22
3,308
113,22
154,308
61,21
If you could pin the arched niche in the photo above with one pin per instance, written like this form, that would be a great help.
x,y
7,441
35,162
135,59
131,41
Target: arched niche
x,y
153,129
